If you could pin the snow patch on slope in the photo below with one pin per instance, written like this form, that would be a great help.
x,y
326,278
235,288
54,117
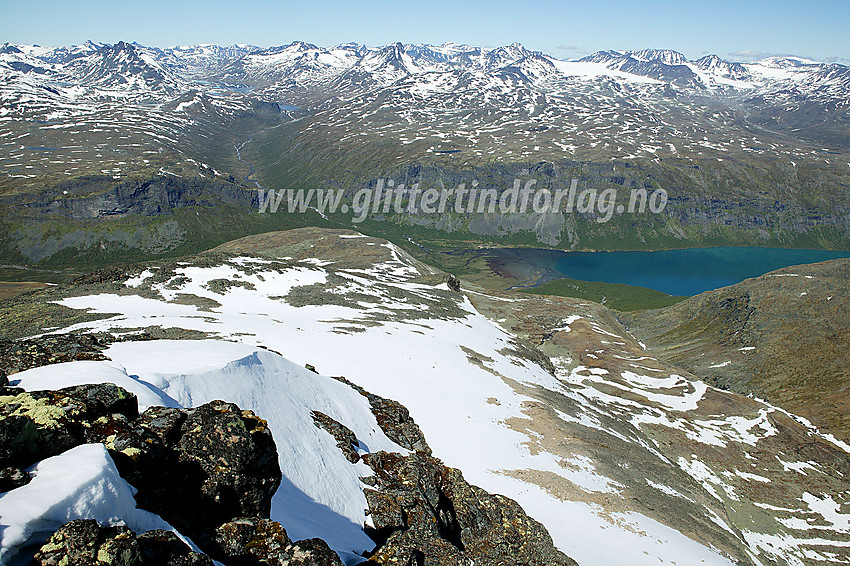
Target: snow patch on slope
x,y
81,483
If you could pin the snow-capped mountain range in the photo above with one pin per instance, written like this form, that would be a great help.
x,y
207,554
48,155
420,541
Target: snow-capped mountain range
x,y
139,69
307,115
429,98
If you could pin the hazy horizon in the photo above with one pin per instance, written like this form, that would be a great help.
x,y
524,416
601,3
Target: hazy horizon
x,y
565,30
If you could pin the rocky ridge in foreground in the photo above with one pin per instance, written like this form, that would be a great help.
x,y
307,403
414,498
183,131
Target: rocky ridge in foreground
x,y
211,471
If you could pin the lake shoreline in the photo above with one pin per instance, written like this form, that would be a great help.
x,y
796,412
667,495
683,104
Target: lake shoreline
x,y
683,271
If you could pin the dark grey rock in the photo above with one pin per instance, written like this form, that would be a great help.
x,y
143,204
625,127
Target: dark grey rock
x,y
197,468
85,543
345,438
20,355
12,477
261,542
164,422
394,419
160,547
105,399
237,458
426,513
453,283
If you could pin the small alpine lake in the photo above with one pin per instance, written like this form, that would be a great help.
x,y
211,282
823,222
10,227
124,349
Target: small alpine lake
x,y
676,272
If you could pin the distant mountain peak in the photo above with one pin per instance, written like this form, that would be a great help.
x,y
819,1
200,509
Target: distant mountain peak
x,y
391,56
717,66
9,48
666,56
295,46
786,61
121,65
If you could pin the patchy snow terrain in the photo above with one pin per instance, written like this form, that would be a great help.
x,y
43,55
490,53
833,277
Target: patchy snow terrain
x,y
622,458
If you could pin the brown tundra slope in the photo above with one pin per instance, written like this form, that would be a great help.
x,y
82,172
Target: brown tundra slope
x,y
784,337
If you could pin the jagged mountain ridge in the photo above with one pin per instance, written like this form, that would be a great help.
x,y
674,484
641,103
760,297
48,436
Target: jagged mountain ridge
x,y
548,93
315,77
299,61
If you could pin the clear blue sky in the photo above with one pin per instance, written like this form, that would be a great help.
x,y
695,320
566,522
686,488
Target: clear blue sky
x,y
739,29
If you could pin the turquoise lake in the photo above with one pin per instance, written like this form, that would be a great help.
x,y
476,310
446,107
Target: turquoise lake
x,y
676,272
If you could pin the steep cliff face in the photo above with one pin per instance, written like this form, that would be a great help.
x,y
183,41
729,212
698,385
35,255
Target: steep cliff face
x,y
91,221
708,203
99,197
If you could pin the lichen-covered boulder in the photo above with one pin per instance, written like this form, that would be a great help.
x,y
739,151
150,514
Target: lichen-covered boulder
x,y
237,454
426,513
20,355
104,399
38,424
262,542
86,543
198,468
346,440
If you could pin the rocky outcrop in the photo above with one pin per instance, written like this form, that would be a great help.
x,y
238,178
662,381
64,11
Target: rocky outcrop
x,y
424,513
261,542
39,424
20,355
394,419
453,282
346,440
237,456
85,543
197,468
104,399
211,472
88,203
12,477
